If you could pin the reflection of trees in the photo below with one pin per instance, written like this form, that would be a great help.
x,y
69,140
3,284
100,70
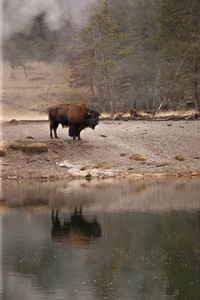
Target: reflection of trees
x,y
76,232
128,262
149,255
181,246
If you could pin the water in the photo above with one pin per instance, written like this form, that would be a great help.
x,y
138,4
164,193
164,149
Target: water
x,y
101,240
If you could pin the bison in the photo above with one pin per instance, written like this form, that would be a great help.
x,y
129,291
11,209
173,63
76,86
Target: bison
x,y
75,115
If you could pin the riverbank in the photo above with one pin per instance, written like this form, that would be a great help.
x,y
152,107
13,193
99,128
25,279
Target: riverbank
x,y
118,149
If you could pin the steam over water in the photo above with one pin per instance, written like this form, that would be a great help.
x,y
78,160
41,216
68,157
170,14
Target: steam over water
x,y
18,14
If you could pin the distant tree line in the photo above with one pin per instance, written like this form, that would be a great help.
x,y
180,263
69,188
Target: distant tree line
x,y
143,53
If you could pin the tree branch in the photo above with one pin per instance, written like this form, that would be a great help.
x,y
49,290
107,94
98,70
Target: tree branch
x,y
171,85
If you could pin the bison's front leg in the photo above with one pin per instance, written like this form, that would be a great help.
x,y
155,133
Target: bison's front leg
x,y
78,131
72,131
51,136
79,138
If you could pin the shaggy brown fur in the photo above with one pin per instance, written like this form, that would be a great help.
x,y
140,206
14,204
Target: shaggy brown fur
x,y
77,112
75,115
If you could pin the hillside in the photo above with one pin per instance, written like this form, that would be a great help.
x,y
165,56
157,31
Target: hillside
x,y
27,96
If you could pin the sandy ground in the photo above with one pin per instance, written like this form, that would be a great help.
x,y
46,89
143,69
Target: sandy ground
x,y
104,152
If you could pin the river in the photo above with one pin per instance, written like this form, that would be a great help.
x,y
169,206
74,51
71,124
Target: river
x,y
135,239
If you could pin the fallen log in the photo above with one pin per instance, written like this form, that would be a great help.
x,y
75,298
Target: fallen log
x,y
195,116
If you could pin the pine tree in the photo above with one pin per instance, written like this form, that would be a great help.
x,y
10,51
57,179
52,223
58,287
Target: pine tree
x,y
180,37
98,51
37,42
138,70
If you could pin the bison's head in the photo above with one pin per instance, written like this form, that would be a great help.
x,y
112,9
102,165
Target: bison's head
x,y
92,118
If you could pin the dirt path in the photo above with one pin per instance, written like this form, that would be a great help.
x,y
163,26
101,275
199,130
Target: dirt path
x,y
104,152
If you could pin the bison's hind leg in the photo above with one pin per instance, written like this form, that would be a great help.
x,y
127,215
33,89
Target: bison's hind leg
x,y
53,126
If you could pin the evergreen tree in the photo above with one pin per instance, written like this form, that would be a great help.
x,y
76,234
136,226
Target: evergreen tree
x,y
99,50
179,38
38,42
138,70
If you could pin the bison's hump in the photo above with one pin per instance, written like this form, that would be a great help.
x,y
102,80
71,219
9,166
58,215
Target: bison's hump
x,y
74,112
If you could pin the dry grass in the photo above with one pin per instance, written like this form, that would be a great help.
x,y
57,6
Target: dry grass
x,y
27,93
31,91
10,112
3,149
138,157
30,148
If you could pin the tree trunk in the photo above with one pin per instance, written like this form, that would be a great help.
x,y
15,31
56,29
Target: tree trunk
x,y
196,96
106,81
48,89
171,85
92,86
155,88
51,82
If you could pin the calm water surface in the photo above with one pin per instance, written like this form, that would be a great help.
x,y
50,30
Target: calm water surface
x,y
100,240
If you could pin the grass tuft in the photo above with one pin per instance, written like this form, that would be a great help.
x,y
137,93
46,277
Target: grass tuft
x,y
31,148
3,149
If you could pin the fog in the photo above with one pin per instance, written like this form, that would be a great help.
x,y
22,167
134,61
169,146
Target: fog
x,y
18,14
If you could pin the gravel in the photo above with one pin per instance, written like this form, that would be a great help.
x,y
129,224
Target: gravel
x,y
104,152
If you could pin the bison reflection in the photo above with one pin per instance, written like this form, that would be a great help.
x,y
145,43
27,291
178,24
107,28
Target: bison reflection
x,y
76,232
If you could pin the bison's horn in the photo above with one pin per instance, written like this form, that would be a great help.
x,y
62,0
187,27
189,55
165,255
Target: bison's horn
x,y
89,113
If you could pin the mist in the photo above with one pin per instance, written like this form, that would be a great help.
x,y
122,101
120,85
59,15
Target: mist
x,y
19,14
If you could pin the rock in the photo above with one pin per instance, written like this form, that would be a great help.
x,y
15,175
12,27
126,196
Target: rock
x,y
138,157
123,154
83,168
55,151
180,157
88,176
31,160
101,165
65,164
12,177
13,121
2,153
